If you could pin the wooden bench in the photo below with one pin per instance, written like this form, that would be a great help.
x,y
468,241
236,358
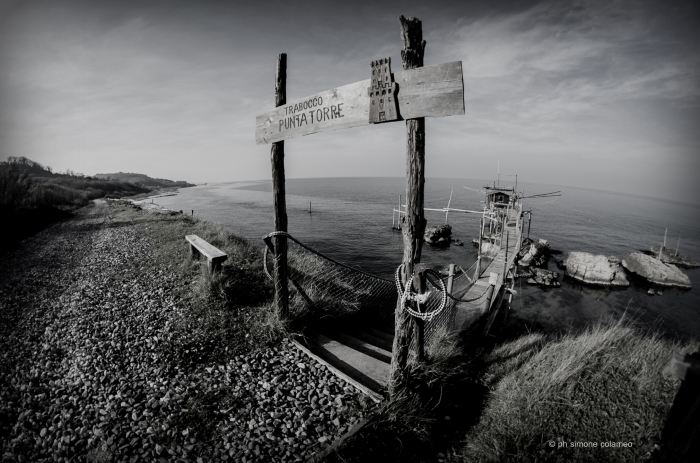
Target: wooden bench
x,y
214,255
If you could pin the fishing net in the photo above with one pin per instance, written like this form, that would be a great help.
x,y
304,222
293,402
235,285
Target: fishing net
x,y
320,283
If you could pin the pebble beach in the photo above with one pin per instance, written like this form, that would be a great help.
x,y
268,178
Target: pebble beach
x,y
83,312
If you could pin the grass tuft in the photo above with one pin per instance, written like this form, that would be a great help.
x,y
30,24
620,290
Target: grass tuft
x,y
605,384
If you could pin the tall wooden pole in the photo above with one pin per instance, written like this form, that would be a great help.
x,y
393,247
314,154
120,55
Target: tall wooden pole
x,y
278,194
413,227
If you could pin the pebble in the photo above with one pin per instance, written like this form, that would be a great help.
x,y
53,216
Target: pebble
x,y
83,313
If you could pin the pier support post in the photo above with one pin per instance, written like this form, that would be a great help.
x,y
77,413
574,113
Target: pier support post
x,y
505,260
493,281
278,195
413,223
450,278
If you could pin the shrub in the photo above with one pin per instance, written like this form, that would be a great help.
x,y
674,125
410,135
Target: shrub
x,y
14,186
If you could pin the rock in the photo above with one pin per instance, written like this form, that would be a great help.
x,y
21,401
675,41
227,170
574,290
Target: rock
x,y
655,271
533,254
595,269
457,242
438,236
87,375
524,273
543,278
651,292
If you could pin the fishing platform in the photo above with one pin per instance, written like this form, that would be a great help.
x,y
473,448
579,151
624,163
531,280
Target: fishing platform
x,y
355,336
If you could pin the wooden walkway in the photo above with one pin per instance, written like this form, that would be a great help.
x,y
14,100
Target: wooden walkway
x,y
360,352
469,312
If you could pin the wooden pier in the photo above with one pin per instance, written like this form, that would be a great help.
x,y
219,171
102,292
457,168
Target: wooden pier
x,y
468,313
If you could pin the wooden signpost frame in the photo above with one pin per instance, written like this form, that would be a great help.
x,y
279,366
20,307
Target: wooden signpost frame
x,y
420,92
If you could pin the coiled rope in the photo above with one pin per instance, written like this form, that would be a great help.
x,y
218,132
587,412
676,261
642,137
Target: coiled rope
x,y
408,295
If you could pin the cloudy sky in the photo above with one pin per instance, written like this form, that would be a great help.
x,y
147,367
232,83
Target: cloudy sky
x,y
593,94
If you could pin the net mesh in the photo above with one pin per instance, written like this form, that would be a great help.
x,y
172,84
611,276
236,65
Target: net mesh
x,y
323,284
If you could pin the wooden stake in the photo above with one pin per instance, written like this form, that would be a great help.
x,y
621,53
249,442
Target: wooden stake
x,y
493,280
278,195
414,223
505,262
450,278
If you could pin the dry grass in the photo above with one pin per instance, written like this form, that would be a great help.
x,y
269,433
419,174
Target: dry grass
x,y
606,384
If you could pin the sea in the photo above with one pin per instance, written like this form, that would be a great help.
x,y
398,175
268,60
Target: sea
x,y
351,222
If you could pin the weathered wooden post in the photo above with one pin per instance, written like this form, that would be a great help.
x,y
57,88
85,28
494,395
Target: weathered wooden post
x,y
280,203
505,266
478,256
493,281
413,226
450,278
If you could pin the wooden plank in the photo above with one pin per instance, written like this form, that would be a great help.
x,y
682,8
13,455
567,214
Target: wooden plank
x,y
359,386
212,253
432,91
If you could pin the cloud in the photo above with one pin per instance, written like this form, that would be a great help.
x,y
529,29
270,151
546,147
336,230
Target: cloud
x,y
558,58
99,86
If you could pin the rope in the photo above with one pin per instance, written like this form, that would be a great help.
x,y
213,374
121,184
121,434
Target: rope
x,y
419,299
283,233
456,299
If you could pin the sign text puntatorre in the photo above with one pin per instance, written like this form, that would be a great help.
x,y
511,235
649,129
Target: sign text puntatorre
x,y
431,91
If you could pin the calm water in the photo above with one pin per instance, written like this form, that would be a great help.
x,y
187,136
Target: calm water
x,y
351,222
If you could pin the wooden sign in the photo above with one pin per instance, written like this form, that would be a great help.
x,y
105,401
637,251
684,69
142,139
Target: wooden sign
x,y
431,91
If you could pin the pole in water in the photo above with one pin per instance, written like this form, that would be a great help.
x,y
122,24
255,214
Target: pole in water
x,y
678,244
192,212
665,233
309,207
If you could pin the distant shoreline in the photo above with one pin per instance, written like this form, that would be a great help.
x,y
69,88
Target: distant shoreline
x,y
160,193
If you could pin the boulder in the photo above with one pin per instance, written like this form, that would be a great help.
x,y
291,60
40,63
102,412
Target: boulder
x,y
543,278
595,269
533,253
655,271
438,236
